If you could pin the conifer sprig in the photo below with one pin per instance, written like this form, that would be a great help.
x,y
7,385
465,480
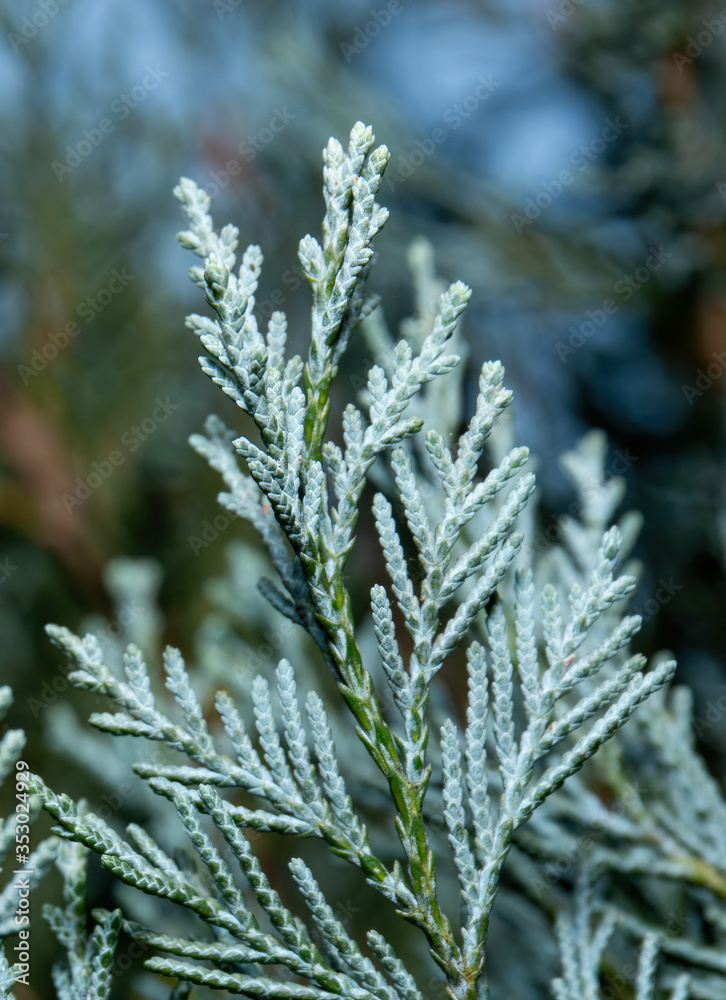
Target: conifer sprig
x,y
550,679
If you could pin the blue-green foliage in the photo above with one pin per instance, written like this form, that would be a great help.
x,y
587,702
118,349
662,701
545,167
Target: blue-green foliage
x,y
542,638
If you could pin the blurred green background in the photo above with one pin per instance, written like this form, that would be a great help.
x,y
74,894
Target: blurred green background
x,y
565,158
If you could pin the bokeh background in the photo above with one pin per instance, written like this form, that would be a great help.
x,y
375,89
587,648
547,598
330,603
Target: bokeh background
x,y
566,158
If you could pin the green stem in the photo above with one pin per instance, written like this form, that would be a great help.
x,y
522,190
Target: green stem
x,y
360,696
317,406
